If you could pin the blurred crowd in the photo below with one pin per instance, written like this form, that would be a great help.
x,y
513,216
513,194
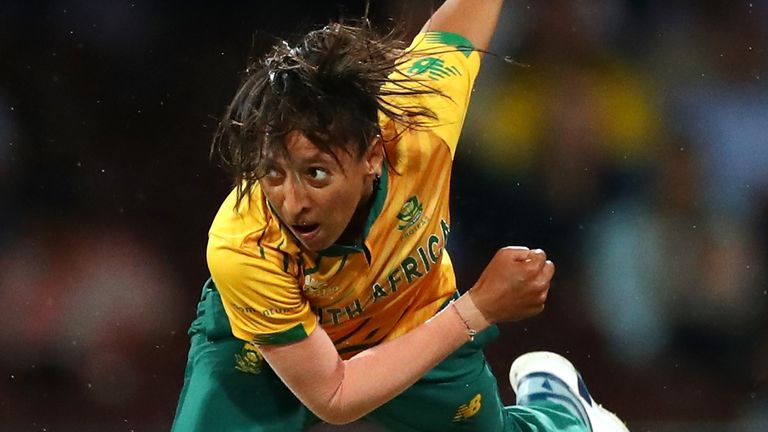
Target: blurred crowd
x,y
627,138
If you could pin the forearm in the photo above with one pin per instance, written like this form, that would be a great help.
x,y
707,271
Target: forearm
x,y
377,375
513,286
343,391
473,19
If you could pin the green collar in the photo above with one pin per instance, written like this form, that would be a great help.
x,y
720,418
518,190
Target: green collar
x,y
380,195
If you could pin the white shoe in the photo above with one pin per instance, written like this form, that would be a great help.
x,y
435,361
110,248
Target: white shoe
x,y
549,376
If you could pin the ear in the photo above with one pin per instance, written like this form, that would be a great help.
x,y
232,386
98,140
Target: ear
x,y
375,156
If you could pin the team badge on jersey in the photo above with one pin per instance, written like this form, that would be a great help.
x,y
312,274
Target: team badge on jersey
x,y
249,360
410,213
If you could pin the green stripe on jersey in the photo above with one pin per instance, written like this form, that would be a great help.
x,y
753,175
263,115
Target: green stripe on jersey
x,y
293,334
453,39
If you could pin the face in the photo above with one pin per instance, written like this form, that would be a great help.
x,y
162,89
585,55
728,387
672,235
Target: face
x,y
315,195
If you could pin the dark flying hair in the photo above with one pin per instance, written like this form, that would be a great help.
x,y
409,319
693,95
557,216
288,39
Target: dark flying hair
x,y
330,86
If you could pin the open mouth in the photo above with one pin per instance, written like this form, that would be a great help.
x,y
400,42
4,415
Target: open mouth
x,y
305,229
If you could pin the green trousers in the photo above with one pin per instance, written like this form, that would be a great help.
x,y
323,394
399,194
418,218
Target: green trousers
x,y
229,388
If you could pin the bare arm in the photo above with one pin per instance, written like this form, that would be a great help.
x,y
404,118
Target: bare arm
x,y
473,19
513,286
341,391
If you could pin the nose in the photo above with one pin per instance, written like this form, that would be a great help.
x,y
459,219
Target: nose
x,y
296,201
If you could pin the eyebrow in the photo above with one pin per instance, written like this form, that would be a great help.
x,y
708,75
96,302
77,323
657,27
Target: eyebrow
x,y
318,156
314,157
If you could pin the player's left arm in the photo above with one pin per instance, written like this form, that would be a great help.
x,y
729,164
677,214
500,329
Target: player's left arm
x,y
473,19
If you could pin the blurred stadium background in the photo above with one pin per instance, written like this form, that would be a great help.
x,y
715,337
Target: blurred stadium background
x,y
629,139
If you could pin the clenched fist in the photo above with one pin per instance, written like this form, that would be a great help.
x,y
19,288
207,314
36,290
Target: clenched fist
x,y
514,285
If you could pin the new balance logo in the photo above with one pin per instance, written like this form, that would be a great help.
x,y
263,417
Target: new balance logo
x,y
434,67
469,409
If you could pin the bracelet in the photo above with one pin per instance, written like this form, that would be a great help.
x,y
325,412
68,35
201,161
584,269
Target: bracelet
x,y
470,331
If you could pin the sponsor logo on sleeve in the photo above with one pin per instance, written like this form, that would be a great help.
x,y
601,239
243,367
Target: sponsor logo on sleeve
x,y
434,68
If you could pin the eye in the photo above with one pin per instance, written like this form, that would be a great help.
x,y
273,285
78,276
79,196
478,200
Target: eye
x,y
273,177
318,174
273,173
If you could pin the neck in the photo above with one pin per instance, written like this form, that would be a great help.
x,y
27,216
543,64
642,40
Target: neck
x,y
354,232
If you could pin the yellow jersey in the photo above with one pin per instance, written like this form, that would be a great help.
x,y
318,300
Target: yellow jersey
x,y
275,291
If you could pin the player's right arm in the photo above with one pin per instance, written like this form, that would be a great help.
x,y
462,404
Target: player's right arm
x,y
262,297
445,57
473,19
513,286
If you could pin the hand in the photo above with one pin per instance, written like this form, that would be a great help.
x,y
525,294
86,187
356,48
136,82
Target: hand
x,y
514,285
